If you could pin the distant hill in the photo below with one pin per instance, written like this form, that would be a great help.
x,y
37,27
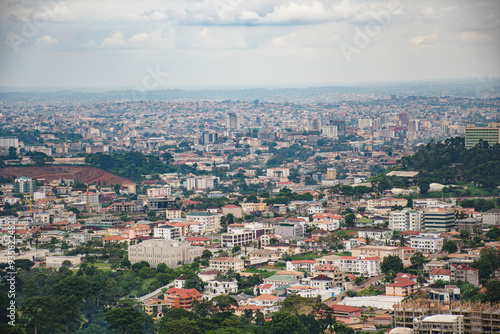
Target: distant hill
x,y
82,174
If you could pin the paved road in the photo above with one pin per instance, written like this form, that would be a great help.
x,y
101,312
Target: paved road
x,y
154,293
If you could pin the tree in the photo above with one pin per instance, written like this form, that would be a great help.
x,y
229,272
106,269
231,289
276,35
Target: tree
x,y
206,255
194,282
351,293
349,219
325,316
392,263
417,259
450,246
223,303
464,235
235,249
127,320
423,184
493,291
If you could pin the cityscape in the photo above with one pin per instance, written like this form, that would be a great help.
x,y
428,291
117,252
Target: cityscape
x,y
247,198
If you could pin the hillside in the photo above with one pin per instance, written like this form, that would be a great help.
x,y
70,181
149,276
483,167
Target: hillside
x,y
450,162
82,174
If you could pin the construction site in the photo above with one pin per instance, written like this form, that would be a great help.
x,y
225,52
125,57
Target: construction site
x,y
478,317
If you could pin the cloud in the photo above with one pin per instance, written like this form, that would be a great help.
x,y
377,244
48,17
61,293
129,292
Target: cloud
x,y
115,40
46,40
425,40
467,36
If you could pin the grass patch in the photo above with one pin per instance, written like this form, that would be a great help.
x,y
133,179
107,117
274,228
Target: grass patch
x,y
370,292
263,273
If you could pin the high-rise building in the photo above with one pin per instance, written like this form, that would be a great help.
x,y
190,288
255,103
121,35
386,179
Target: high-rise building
x,y
403,119
490,134
24,185
439,219
341,130
9,142
316,124
232,121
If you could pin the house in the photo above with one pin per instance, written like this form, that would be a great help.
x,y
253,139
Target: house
x,y
225,264
281,280
332,271
368,266
221,286
345,313
438,273
208,275
303,291
180,281
306,265
401,288
153,306
265,288
269,302
235,210
464,273
181,298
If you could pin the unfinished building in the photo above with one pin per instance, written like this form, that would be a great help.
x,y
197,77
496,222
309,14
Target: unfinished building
x,y
478,317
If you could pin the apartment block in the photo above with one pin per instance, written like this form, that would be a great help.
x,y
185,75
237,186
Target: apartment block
x,y
170,252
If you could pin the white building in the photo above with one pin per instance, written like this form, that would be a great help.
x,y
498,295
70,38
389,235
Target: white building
x,y
278,172
315,208
269,302
156,251
222,286
427,243
211,220
166,232
406,219
367,266
57,261
297,265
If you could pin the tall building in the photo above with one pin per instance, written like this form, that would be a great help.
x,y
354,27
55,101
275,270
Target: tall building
x,y
490,134
341,129
24,185
439,219
406,219
232,121
330,131
9,142
316,124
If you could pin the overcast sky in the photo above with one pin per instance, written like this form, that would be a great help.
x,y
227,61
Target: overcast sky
x,y
154,44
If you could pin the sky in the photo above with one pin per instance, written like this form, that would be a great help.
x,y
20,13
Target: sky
x,y
158,44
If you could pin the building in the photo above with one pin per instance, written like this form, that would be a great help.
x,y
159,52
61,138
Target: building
x,y
153,306
167,232
380,251
401,288
406,219
492,217
170,252
160,203
9,142
57,261
478,317
156,192
439,219
238,237
224,264
290,229
489,134
90,197
437,324
427,243
464,273
24,185
222,286
173,213
232,121
235,210
278,173
269,302
367,266
439,274
211,220
297,265
181,298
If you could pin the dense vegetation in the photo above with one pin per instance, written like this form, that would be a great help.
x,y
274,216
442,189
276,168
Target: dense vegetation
x,y
451,162
134,165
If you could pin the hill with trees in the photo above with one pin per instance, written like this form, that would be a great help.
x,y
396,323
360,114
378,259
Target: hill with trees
x,y
451,162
